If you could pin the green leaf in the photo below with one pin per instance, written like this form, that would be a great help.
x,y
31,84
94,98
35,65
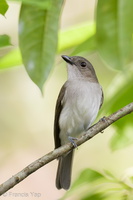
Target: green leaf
x,y
109,175
38,35
87,176
123,135
120,93
75,36
87,46
12,59
94,185
96,196
4,40
114,31
3,7
39,3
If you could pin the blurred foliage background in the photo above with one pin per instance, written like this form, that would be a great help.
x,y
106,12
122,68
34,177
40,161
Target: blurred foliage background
x,y
102,32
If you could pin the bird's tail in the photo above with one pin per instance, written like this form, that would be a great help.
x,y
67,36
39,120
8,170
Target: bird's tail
x,y
63,177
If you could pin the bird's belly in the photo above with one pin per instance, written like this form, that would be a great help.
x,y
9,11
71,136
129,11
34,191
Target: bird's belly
x,y
78,113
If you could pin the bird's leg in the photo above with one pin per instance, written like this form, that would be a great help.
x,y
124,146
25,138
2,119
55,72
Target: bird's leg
x,y
71,139
103,119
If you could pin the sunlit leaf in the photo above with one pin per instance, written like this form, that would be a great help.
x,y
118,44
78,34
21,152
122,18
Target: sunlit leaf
x,y
39,3
93,185
4,40
38,35
121,94
96,196
88,46
12,59
87,176
114,31
75,36
3,7
109,175
123,135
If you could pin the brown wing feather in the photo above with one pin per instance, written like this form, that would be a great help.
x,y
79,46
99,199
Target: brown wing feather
x,y
102,99
58,110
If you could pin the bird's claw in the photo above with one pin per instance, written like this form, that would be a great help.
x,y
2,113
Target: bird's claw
x,y
71,139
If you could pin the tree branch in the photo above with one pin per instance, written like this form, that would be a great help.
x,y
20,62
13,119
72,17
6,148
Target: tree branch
x,y
95,129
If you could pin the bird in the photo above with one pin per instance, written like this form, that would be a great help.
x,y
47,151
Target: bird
x,y
77,106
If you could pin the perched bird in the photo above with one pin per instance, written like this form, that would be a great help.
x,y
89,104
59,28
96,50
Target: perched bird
x,y
77,106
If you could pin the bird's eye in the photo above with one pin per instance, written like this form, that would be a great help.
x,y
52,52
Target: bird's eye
x,y
83,64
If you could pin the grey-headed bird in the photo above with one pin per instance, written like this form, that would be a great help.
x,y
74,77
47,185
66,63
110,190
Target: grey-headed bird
x,y
77,106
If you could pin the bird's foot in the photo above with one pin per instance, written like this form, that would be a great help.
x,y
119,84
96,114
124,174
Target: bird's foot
x,y
103,119
71,139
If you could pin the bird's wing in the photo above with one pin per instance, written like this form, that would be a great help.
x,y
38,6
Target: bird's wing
x,y
58,110
102,99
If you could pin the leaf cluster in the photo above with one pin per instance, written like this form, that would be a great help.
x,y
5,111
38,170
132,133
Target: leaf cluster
x,y
92,185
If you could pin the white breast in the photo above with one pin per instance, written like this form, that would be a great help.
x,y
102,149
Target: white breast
x,y
81,103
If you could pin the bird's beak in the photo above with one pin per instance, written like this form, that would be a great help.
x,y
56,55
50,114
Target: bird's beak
x,y
67,59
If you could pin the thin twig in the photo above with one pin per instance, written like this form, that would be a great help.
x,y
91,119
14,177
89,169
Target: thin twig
x,y
95,129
